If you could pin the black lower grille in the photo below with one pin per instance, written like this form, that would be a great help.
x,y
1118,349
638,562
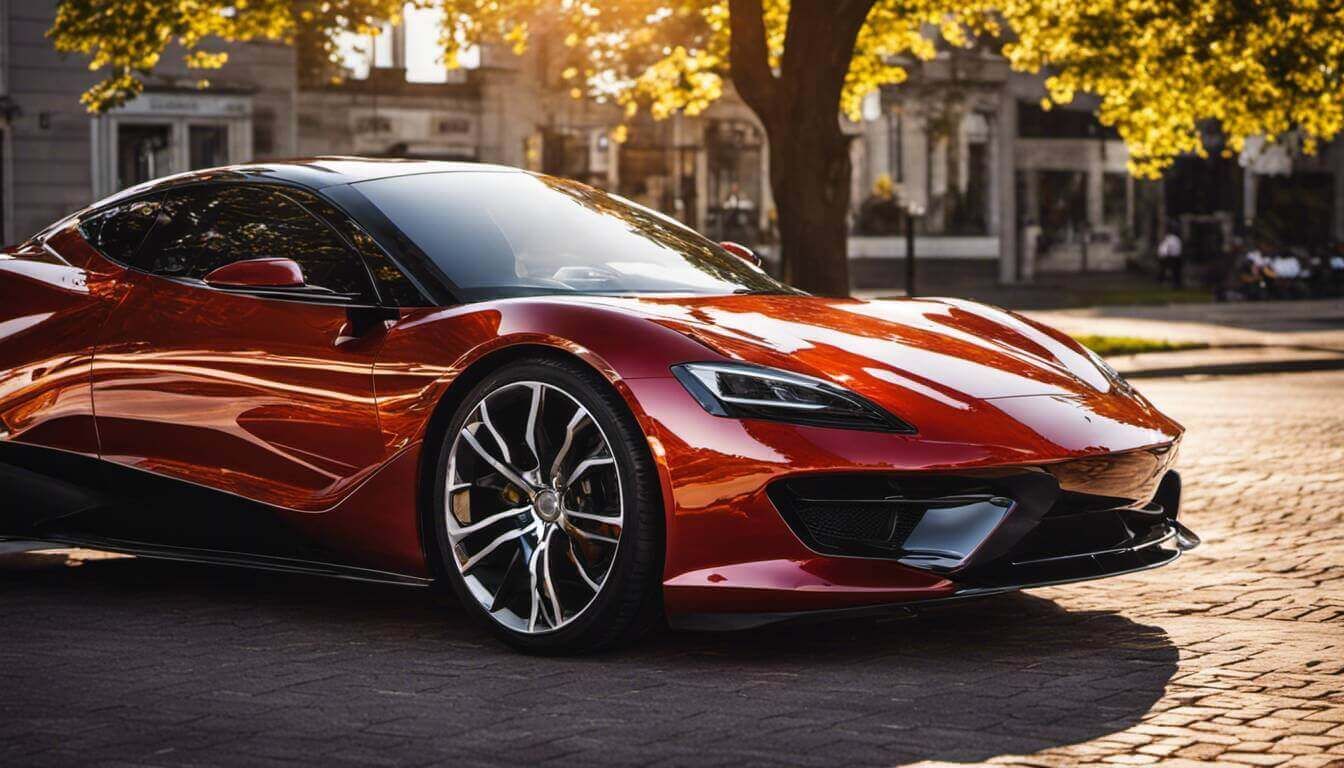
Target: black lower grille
x,y
848,515
862,522
979,520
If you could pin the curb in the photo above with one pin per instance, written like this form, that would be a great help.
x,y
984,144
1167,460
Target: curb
x,y
1238,369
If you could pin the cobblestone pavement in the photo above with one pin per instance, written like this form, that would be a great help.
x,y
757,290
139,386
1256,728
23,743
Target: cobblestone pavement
x,y
1234,655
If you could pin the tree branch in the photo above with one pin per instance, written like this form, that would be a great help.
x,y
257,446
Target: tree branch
x,y
818,46
821,35
750,57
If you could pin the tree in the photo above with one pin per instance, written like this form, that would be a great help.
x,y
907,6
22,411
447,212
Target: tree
x,y
1162,69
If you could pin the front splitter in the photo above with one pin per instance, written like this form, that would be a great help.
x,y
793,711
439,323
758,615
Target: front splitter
x,y
1105,565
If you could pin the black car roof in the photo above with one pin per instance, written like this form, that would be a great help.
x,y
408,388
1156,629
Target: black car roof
x,y
312,172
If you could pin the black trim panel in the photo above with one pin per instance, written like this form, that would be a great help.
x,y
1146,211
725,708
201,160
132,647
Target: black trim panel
x,y
72,498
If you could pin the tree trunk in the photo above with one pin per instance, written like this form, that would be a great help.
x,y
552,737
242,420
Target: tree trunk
x,y
810,179
800,108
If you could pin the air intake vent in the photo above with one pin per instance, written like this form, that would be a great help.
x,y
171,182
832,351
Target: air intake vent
x,y
848,514
856,521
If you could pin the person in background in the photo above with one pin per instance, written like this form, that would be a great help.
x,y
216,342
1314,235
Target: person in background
x,y
880,214
1256,273
1169,259
1288,275
1258,261
739,213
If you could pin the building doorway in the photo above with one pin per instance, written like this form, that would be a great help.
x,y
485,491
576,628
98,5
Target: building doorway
x,y
1063,207
142,152
207,146
1297,209
733,149
160,134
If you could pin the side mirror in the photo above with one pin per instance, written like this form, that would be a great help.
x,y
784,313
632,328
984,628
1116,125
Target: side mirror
x,y
742,252
257,273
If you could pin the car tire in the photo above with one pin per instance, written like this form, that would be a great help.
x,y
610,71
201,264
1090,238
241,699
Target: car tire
x,y
554,500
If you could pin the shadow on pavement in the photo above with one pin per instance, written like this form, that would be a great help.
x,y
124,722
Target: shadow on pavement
x,y
165,663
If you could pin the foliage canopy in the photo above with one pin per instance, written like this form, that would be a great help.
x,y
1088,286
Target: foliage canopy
x,y
1160,68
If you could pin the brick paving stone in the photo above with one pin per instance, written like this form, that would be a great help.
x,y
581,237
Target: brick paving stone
x,y
1232,656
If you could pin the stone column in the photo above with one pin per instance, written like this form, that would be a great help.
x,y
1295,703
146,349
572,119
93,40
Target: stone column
x,y
1005,139
1337,155
1249,185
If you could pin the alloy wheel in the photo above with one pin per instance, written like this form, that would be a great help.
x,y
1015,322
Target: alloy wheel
x,y
534,508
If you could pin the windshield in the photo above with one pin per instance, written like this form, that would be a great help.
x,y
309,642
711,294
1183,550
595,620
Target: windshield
x,y
517,234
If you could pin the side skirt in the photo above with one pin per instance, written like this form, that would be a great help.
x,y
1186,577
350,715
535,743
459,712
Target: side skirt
x,y
235,559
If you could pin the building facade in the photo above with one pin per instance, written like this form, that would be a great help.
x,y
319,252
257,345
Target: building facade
x,y
56,157
1010,190
1003,187
1005,190
391,98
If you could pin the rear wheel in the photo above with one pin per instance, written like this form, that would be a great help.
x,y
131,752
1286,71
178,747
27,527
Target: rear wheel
x,y
547,512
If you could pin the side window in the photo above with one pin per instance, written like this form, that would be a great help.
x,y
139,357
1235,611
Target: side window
x,y
118,231
394,286
204,228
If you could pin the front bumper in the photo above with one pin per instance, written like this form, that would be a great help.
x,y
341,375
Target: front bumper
x,y
983,532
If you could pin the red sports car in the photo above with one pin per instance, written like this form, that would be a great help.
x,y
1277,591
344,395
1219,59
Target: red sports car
x,y
582,415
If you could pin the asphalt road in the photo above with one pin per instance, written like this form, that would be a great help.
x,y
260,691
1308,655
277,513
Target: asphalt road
x,y
1234,655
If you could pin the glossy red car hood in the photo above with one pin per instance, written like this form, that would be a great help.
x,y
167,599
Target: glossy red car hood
x,y
910,353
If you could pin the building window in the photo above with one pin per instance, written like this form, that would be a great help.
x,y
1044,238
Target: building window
x,y
373,124
411,46
1115,203
143,152
208,146
453,125
960,174
1033,122
1063,206
735,181
565,153
895,146
159,134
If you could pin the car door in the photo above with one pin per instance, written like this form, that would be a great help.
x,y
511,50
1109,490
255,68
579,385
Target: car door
x,y
57,290
264,393
56,293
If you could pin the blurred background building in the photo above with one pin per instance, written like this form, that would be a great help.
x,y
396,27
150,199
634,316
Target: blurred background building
x,y
1007,191
58,158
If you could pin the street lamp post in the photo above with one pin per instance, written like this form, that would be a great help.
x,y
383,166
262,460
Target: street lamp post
x,y
913,211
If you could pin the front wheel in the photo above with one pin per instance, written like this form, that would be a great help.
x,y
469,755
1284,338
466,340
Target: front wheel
x,y
547,510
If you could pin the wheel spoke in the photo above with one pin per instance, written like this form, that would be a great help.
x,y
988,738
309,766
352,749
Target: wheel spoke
x,y
547,582
499,439
570,430
532,592
458,532
503,469
499,541
505,583
596,518
533,417
574,530
578,566
586,465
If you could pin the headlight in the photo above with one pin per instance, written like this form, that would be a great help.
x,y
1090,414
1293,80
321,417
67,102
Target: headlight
x,y
743,391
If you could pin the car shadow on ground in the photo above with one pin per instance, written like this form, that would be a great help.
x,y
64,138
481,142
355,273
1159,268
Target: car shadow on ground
x,y
129,657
